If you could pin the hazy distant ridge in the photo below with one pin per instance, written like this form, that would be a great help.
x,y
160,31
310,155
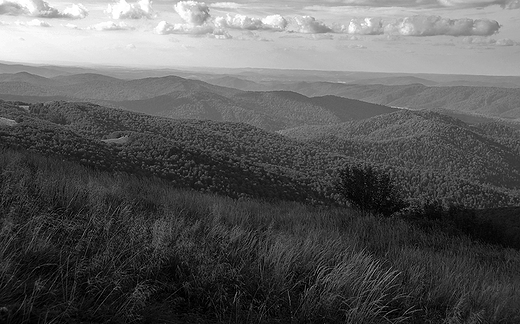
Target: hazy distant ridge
x,y
176,97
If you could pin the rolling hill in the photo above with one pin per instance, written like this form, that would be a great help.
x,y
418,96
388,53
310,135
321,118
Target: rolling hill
x,y
177,97
488,154
488,101
237,159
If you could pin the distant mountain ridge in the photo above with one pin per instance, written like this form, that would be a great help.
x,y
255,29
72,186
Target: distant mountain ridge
x,y
177,97
396,91
488,101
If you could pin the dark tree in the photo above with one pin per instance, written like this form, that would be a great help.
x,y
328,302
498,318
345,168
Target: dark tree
x,y
369,190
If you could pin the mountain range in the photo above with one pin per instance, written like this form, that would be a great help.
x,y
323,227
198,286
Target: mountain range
x,y
177,97
456,144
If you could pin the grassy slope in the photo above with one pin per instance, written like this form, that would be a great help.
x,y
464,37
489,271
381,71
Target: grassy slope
x,y
80,245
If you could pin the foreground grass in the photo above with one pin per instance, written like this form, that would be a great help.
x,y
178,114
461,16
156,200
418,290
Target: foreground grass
x,y
77,245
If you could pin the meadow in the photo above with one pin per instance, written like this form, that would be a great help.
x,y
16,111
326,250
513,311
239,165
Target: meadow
x,y
78,245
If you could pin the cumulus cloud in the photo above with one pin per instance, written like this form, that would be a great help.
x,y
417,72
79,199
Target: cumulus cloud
x,y
40,8
192,12
435,25
165,28
125,10
366,26
197,21
34,23
110,25
274,22
76,11
422,26
309,25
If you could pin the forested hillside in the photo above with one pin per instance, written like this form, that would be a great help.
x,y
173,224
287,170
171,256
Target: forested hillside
x,y
174,152
427,143
240,160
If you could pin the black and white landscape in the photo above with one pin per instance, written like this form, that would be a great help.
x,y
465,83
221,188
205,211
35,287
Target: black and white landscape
x,y
260,162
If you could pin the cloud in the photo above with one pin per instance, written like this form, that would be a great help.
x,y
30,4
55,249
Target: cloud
x,y
309,25
110,25
125,10
508,4
76,11
420,25
165,28
34,23
221,34
71,26
274,22
225,5
321,37
249,35
506,42
435,25
478,40
40,8
366,26
355,46
512,4
197,21
192,12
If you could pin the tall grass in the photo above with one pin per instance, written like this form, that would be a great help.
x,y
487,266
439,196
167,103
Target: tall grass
x,y
78,245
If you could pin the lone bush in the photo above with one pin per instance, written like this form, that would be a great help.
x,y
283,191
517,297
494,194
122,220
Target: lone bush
x,y
369,190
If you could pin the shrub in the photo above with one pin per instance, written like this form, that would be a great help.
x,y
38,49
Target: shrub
x,y
369,190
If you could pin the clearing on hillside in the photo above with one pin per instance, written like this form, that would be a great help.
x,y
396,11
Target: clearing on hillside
x,y
7,122
119,140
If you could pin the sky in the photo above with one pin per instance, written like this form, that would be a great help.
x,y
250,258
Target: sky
x,y
410,36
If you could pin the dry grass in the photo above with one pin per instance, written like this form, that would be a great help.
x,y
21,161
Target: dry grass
x,y
82,246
